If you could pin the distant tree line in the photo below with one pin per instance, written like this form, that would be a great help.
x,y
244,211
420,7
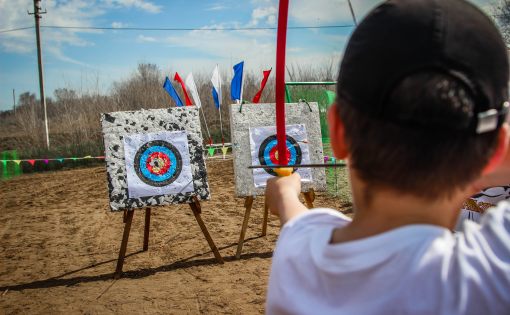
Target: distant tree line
x,y
74,116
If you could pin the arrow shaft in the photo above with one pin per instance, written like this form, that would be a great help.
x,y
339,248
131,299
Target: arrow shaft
x,y
297,166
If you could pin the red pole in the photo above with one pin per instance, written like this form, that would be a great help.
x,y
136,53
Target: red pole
x,y
281,41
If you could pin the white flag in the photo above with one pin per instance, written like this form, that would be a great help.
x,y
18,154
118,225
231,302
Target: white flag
x,y
216,82
190,84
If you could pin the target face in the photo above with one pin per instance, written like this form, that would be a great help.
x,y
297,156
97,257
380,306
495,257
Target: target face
x,y
158,163
268,153
264,151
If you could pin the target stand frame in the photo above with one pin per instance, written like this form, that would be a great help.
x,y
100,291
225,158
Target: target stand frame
x,y
246,116
309,197
128,219
138,147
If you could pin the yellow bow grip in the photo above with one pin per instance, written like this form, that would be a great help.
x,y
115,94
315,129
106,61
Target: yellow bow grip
x,y
283,171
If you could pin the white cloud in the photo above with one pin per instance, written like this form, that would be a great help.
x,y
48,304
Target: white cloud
x,y
138,4
118,24
320,12
265,14
216,7
145,39
79,13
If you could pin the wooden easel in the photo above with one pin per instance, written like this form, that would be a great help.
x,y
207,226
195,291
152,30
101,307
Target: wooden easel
x,y
248,203
128,219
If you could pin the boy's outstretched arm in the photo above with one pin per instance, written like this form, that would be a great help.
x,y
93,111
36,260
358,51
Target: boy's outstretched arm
x,y
282,197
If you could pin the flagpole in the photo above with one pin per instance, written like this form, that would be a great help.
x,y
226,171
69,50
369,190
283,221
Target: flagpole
x,y
242,84
206,127
221,127
220,99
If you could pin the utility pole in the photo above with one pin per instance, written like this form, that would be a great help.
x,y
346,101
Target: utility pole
x,y
352,13
37,16
14,100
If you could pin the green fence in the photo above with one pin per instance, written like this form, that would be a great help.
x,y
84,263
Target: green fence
x,y
313,92
9,170
321,92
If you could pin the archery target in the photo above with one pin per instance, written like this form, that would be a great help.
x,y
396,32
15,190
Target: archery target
x,y
264,151
157,164
268,153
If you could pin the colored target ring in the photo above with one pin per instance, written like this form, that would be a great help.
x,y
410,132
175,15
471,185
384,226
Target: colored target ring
x,y
268,153
158,163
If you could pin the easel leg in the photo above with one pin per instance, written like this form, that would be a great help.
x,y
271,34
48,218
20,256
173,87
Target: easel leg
x,y
248,204
147,229
195,207
124,216
123,245
264,224
309,198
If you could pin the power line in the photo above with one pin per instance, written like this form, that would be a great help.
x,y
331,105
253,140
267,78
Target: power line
x,y
16,29
174,28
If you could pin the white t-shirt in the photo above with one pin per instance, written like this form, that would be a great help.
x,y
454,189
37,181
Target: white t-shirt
x,y
474,208
416,269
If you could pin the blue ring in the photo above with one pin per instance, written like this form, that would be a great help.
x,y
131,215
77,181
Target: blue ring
x,y
154,177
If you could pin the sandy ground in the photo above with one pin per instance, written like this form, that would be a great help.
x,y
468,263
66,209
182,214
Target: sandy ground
x,y
59,244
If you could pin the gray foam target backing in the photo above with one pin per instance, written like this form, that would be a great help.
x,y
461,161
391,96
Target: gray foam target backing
x,y
259,115
117,125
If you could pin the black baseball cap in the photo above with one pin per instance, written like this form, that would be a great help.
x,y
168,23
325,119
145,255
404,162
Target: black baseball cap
x,y
400,38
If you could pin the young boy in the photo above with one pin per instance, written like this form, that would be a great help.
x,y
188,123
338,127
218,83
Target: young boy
x,y
420,119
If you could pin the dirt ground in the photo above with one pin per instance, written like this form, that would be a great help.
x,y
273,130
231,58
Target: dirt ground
x,y
59,243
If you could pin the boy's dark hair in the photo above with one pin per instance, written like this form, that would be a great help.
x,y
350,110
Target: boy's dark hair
x,y
414,158
422,91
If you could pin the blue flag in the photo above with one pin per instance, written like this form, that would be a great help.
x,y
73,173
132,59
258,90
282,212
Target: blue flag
x,y
171,91
236,87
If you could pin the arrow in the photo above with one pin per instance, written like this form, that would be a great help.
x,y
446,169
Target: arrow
x,y
298,166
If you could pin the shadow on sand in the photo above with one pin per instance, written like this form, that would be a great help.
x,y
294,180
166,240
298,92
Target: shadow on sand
x,y
132,274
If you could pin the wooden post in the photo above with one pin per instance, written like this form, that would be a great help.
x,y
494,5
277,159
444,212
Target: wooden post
x,y
248,202
195,207
147,229
264,223
123,245
309,198
124,216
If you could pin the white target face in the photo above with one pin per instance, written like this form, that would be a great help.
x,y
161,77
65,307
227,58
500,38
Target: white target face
x,y
157,164
264,151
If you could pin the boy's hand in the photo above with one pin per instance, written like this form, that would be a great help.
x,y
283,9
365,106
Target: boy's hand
x,y
282,197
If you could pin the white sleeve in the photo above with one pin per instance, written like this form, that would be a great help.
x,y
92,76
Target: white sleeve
x,y
482,264
299,226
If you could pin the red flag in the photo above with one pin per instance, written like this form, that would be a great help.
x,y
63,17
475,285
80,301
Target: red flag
x,y
178,78
256,98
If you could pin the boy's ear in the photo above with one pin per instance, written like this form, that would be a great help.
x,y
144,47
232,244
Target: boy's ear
x,y
500,152
337,133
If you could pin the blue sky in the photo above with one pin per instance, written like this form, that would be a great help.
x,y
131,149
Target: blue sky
x,y
91,60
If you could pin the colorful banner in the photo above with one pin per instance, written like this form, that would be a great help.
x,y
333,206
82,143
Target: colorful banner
x,y
190,83
46,161
236,87
177,78
172,92
257,96
216,89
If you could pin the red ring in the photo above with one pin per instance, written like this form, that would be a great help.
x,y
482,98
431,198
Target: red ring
x,y
274,151
158,155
